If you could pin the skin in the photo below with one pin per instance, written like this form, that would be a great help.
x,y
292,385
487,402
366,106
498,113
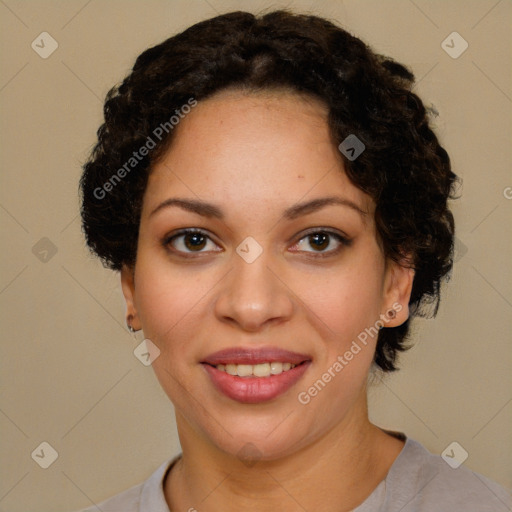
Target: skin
x,y
254,155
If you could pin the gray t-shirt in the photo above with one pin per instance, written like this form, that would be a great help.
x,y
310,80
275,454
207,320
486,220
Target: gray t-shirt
x,y
418,481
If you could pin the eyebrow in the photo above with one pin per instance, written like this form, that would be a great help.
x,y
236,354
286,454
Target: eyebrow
x,y
210,210
191,205
316,204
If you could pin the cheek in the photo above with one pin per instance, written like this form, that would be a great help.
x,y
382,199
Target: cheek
x,y
343,310
346,301
171,304
171,307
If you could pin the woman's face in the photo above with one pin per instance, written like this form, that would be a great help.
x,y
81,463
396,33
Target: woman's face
x,y
284,257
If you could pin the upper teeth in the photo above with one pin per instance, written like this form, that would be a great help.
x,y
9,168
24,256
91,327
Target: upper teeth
x,y
257,370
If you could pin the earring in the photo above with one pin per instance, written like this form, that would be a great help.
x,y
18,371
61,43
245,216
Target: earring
x,y
391,313
129,324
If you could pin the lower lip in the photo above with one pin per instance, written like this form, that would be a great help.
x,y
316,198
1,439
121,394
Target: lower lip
x,y
253,390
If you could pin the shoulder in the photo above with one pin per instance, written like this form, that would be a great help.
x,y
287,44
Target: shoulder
x,y
148,495
422,481
127,501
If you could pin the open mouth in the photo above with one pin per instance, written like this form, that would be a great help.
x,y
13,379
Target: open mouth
x,y
255,383
266,369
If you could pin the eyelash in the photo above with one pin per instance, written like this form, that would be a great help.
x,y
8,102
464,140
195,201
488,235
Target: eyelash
x,y
341,239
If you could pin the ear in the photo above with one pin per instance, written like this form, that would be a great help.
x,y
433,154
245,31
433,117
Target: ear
x,y
397,292
128,287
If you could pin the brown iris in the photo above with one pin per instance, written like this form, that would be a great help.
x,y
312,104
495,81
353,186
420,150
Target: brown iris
x,y
319,241
195,241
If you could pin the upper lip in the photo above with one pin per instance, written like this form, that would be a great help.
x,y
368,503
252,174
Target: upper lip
x,y
245,355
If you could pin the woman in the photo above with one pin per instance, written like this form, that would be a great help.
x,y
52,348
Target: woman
x,y
276,204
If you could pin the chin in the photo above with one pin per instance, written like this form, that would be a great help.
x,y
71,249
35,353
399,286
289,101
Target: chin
x,y
260,448
250,439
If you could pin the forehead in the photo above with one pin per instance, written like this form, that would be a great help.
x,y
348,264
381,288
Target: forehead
x,y
253,149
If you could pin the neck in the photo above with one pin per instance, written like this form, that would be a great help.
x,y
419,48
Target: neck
x,y
335,473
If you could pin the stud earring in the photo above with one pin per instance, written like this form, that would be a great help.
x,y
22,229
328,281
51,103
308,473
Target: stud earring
x,y
129,324
391,313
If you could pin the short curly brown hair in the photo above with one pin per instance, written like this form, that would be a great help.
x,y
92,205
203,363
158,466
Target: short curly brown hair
x,y
403,167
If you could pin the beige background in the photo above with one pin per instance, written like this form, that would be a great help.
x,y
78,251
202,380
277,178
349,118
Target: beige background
x,y
69,376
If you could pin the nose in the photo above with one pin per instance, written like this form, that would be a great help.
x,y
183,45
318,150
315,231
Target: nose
x,y
252,296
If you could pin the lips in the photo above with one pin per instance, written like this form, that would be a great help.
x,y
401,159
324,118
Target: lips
x,y
241,355
252,389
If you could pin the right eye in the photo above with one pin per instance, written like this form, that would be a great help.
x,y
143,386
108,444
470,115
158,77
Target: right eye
x,y
191,241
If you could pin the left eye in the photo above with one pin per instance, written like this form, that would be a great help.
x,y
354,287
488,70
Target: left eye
x,y
320,241
192,241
